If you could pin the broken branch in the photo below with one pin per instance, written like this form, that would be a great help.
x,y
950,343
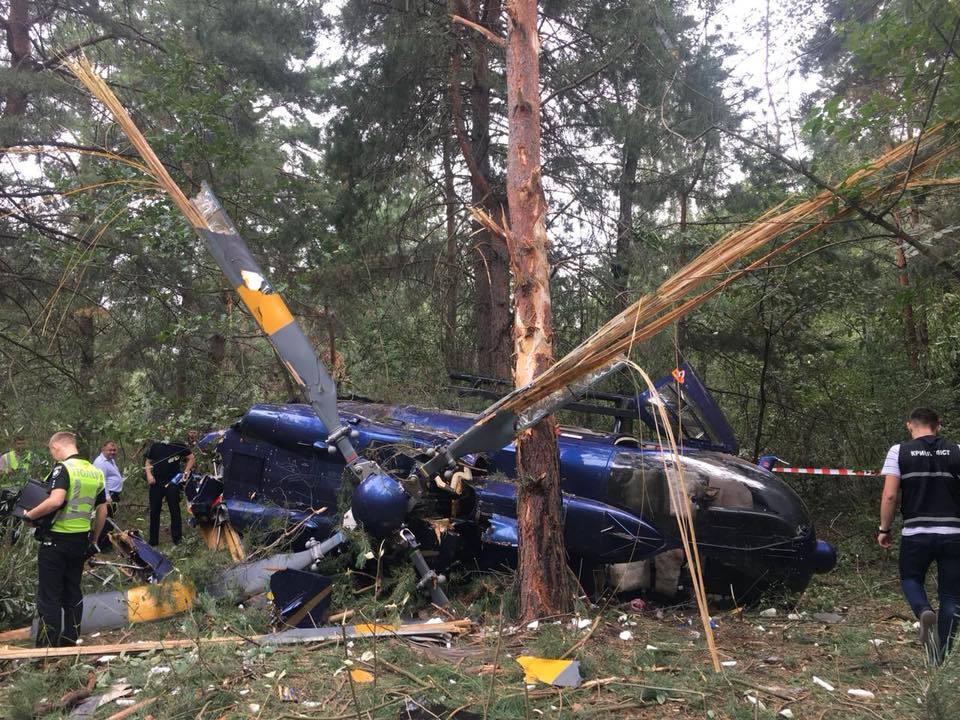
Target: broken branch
x,y
488,34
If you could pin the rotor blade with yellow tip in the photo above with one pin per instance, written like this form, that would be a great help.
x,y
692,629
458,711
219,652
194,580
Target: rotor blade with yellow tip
x,y
272,315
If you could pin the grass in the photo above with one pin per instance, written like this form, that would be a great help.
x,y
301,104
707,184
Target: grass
x,y
662,672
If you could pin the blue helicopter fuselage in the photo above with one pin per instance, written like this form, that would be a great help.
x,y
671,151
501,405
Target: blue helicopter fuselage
x,y
616,498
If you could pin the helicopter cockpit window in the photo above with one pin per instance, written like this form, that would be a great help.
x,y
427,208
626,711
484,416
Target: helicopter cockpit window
x,y
684,421
641,483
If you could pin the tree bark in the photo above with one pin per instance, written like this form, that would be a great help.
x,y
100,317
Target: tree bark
x,y
542,558
17,25
491,291
909,325
621,259
449,350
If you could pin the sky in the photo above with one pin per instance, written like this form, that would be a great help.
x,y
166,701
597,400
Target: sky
x,y
774,63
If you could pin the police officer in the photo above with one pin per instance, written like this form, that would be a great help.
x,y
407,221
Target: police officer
x,y
162,465
926,472
18,460
77,492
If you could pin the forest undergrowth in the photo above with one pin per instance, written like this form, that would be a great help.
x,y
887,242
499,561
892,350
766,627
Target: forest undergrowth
x,y
851,630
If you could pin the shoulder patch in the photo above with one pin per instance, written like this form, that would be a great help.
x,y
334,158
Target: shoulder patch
x,y
56,471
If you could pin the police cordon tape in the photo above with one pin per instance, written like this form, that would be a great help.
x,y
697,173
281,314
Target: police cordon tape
x,y
823,471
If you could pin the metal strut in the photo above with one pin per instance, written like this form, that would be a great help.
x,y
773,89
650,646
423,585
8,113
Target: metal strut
x,y
428,577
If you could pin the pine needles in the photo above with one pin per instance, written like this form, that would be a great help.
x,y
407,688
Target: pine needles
x,y
85,73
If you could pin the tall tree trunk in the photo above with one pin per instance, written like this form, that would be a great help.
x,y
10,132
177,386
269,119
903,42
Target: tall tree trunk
x,y
621,258
449,351
542,558
762,399
909,326
491,291
17,25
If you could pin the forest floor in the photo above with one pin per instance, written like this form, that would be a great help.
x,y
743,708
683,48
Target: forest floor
x,y
851,629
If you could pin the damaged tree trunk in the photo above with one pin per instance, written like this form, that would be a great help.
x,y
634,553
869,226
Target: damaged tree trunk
x,y
542,557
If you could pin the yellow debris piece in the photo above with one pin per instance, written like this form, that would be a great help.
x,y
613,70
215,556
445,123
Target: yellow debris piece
x,y
562,673
361,676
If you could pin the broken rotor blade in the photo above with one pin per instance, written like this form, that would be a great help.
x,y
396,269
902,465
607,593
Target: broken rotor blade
x,y
274,318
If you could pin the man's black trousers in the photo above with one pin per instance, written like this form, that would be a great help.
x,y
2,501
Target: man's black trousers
x,y
170,493
59,597
111,511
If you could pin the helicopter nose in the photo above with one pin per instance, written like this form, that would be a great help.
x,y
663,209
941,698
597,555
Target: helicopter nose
x,y
824,557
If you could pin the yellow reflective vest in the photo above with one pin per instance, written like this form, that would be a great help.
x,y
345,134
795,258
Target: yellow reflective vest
x,y
86,482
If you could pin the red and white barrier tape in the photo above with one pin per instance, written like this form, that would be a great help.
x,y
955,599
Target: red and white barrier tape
x,y
823,471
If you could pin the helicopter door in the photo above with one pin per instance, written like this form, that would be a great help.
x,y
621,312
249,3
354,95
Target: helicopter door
x,y
695,417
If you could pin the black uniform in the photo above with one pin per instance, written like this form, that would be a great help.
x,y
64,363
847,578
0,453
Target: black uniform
x,y
930,502
166,459
60,561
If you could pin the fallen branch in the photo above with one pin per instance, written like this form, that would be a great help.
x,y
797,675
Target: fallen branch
x,y
287,637
68,700
127,712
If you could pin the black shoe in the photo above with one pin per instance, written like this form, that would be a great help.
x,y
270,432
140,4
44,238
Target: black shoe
x,y
928,636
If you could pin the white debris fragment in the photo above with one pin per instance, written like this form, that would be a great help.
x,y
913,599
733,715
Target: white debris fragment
x,y
106,658
158,670
754,701
652,647
622,619
367,656
124,702
311,704
786,713
729,663
244,691
583,623
626,635
761,628
823,683
533,625
769,612
876,642
434,621
254,707
793,616
271,674
857,692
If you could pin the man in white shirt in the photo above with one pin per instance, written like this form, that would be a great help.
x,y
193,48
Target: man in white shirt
x,y
106,463
926,473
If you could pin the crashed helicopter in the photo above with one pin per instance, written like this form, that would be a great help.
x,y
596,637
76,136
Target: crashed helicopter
x,y
432,485
275,467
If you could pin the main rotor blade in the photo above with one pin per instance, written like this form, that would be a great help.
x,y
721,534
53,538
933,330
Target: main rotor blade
x,y
271,313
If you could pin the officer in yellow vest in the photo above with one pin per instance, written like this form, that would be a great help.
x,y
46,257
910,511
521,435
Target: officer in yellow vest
x,y
16,462
77,493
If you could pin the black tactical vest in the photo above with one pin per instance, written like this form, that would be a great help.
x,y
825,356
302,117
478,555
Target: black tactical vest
x,y
930,486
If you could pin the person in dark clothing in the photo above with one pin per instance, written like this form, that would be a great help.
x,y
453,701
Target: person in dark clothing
x,y
162,465
67,539
926,474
